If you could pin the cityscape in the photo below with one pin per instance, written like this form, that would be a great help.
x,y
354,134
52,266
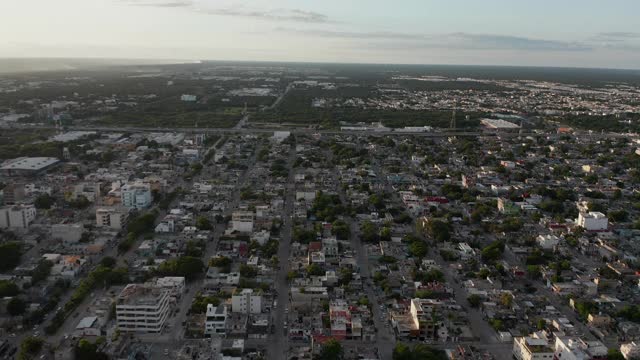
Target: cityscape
x,y
319,180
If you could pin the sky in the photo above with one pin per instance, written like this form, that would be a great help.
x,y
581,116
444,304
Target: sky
x,y
574,33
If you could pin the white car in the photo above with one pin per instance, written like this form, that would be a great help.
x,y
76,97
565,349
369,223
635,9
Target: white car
x,y
166,352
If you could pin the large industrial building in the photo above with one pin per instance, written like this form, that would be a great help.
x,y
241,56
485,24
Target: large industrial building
x,y
28,166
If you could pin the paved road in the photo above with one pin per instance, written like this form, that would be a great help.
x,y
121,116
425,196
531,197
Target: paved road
x,y
385,338
279,343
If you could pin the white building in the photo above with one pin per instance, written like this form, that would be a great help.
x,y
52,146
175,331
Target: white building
x,y
69,233
593,221
548,241
246,302
242,221
216,320
142,308
630,351
532,348
188,98
17,216
136,195
574,348
114,218
330,246
281,136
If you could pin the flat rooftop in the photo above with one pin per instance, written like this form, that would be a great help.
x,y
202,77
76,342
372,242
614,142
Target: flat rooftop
x,y
29,163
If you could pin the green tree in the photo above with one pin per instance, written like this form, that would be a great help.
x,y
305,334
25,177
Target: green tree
x,y
108,262
44,201
439,230
331,350
418,249
315,270
86,350
10,253
8,289
474,300
16,306
203,223
29,348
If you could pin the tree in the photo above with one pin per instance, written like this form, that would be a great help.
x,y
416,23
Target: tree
x,y
418,352
369,232
108,261
44,201
474,300
615,354
8,289
340,229
203,223
29,348
418,249
186,266
331,350
315,270
10,253
86,350
16,306
248,271
506,299
439,230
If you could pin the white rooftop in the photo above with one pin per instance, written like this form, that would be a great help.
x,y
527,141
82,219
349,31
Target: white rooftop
x,y
29,163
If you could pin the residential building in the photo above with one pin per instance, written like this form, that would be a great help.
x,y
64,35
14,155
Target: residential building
x,y
13,193
532,348
136,195
247,302
548,241
422,313
593,221
91,191
216,320
574,348
142,308
242,221
17,216
114,218
630,351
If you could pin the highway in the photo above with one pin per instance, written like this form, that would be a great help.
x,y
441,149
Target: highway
x,y
239,129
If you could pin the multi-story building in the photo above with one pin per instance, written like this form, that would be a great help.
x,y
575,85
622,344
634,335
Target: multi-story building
x,y
216,320
17,216
89,190
424,316
246,302
13,193
136,195
532,348
142,308
593,221
242,221
115,218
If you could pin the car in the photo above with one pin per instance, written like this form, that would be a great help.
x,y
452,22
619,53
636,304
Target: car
x,y
36,334
166,352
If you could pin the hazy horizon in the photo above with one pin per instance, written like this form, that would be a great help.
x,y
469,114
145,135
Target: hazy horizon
x,y
572,33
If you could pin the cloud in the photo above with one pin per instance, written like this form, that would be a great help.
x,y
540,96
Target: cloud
x,y
294,15
458,40
161,4
281,14
620,36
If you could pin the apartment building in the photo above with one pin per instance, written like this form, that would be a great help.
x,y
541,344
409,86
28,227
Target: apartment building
x,y
246,302
142,308
136,195
17,216
216,320
114,218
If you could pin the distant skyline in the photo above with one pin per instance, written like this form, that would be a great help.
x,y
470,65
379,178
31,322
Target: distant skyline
x,y
571,33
